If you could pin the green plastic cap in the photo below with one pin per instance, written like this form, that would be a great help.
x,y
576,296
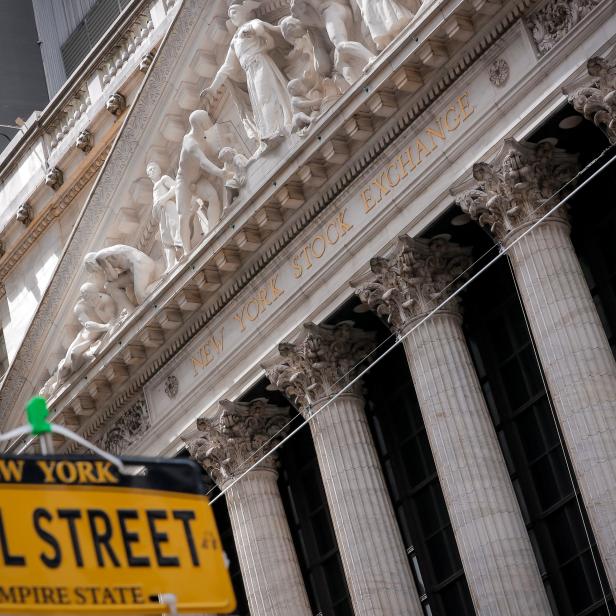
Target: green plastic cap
x,y
37,413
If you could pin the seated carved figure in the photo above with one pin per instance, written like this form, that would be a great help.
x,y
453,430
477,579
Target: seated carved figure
x,y
95,311
130,274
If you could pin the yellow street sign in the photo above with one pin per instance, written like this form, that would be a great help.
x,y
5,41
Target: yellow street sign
x,y
78,537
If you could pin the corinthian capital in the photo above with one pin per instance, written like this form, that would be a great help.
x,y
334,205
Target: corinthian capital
x,y
597,102
237,436
417,276
321,364
517,187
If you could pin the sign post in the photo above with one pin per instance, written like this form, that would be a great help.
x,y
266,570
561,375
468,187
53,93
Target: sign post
x,y
79,535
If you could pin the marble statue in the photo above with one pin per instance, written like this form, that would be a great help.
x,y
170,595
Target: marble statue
x,y
234,166
249,60
385,19
166,212
195,177
314,84
129,273
336,16
95,311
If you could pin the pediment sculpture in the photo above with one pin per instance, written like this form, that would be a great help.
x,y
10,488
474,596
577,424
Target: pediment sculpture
x,y
282,77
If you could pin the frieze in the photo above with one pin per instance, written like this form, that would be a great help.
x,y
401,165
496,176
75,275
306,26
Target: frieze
x,y
259,306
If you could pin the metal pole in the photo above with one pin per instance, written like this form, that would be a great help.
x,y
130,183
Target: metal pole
x,y
47,447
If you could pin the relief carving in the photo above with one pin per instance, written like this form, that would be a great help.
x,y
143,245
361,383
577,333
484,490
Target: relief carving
x,y
127,429
413,279
321,364
551,23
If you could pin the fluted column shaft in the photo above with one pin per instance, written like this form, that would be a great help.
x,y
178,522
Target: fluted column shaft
x,y
270,571
492,539
236,434
579,368
496,553
371,547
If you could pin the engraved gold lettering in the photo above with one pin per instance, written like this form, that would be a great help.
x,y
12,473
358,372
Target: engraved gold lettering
x,y
420,146
366,195
344,227
318,238
219,345
452,109
255,313
379,183
393,183
330,226
207,352
275,290
465,106
307,257
431,132
409,162
298,270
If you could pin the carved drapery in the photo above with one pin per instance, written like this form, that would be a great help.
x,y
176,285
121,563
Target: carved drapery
x,y
240,431
321,364
413,279
597,102
517,188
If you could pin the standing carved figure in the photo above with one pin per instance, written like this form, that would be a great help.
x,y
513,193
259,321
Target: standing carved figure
x,y
350,57
196,173
165,211
249,60
385,19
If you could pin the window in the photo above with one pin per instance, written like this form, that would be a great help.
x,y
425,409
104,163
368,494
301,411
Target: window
x,y
416,494
87,34
308,515
511,380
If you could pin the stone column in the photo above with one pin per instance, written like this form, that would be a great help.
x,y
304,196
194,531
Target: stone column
x,y
577,360
375,563
270,570
496,553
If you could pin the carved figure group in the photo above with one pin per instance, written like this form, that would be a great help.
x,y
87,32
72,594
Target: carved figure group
x,y
281,77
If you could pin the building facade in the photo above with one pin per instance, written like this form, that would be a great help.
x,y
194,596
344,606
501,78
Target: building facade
x,y
357,260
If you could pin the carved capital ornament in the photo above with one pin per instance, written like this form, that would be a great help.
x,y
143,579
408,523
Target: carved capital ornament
x,y
519,187
413,279
597,102
237,436
322,364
